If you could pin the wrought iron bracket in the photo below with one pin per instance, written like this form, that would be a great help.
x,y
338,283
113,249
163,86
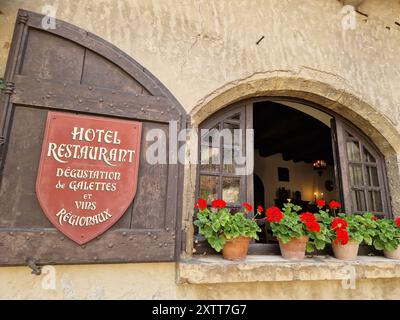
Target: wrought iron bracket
x,y
37,270
23,17
9,88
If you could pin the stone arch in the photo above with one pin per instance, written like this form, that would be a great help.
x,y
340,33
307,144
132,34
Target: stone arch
x,y
326,94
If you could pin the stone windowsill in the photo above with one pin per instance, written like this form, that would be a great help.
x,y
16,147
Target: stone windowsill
x,y
257,268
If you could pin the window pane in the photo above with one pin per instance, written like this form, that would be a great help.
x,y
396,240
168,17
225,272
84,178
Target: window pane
x,y
372,176
209,136
368,157
375,201
231,190
209,149
353,151
232,138
209,186
232,159
356,176
358,199
210,160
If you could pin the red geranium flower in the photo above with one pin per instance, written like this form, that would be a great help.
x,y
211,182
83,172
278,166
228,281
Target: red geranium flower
x,y
248,206
338,224
201,204
307,217
374,218
342,236
222,204
321,203
274,214
313,226
335,205
218,204
398,222
260,209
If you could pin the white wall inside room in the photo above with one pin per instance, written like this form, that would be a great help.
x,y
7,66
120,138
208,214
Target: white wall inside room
x,y
302,177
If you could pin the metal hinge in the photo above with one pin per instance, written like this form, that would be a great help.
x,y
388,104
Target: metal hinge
x,y
23,17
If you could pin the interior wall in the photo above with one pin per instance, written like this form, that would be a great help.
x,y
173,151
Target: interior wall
x,y
302,177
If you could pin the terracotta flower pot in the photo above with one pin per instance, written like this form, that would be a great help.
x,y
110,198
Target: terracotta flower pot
x,y
348,251
295,249
395,254
236,249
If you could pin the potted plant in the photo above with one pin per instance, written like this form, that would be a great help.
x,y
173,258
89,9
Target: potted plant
x,y
296,233
387,237
348,231
225,231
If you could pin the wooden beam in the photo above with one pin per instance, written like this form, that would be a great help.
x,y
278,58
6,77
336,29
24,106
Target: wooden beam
x,y
299,140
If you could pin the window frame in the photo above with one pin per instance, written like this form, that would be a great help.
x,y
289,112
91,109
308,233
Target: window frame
x,y
246,121
364,143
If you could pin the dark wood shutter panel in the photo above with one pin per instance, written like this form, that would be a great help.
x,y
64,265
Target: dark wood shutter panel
x,y
71,70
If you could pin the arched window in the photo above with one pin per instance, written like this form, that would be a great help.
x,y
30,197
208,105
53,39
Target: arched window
x,y
363,172
289,138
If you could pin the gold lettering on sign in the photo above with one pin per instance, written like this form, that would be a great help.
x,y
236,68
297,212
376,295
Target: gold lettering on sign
x,y
103,180
75,220
63,151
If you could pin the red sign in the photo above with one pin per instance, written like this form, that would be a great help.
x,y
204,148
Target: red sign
x,y
88,172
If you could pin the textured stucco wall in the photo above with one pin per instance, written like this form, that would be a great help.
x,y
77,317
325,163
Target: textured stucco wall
x,y
205,52
197,46
157,281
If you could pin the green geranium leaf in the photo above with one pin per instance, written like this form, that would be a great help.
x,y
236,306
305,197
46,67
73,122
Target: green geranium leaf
x,y
220,225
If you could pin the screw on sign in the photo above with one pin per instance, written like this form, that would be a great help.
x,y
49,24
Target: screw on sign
x,y
88,172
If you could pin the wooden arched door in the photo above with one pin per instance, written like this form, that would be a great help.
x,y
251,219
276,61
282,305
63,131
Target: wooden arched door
x,y
71,70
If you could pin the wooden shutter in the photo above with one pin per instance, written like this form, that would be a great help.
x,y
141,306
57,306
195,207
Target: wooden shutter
x,y
362,171
71,70
220,179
